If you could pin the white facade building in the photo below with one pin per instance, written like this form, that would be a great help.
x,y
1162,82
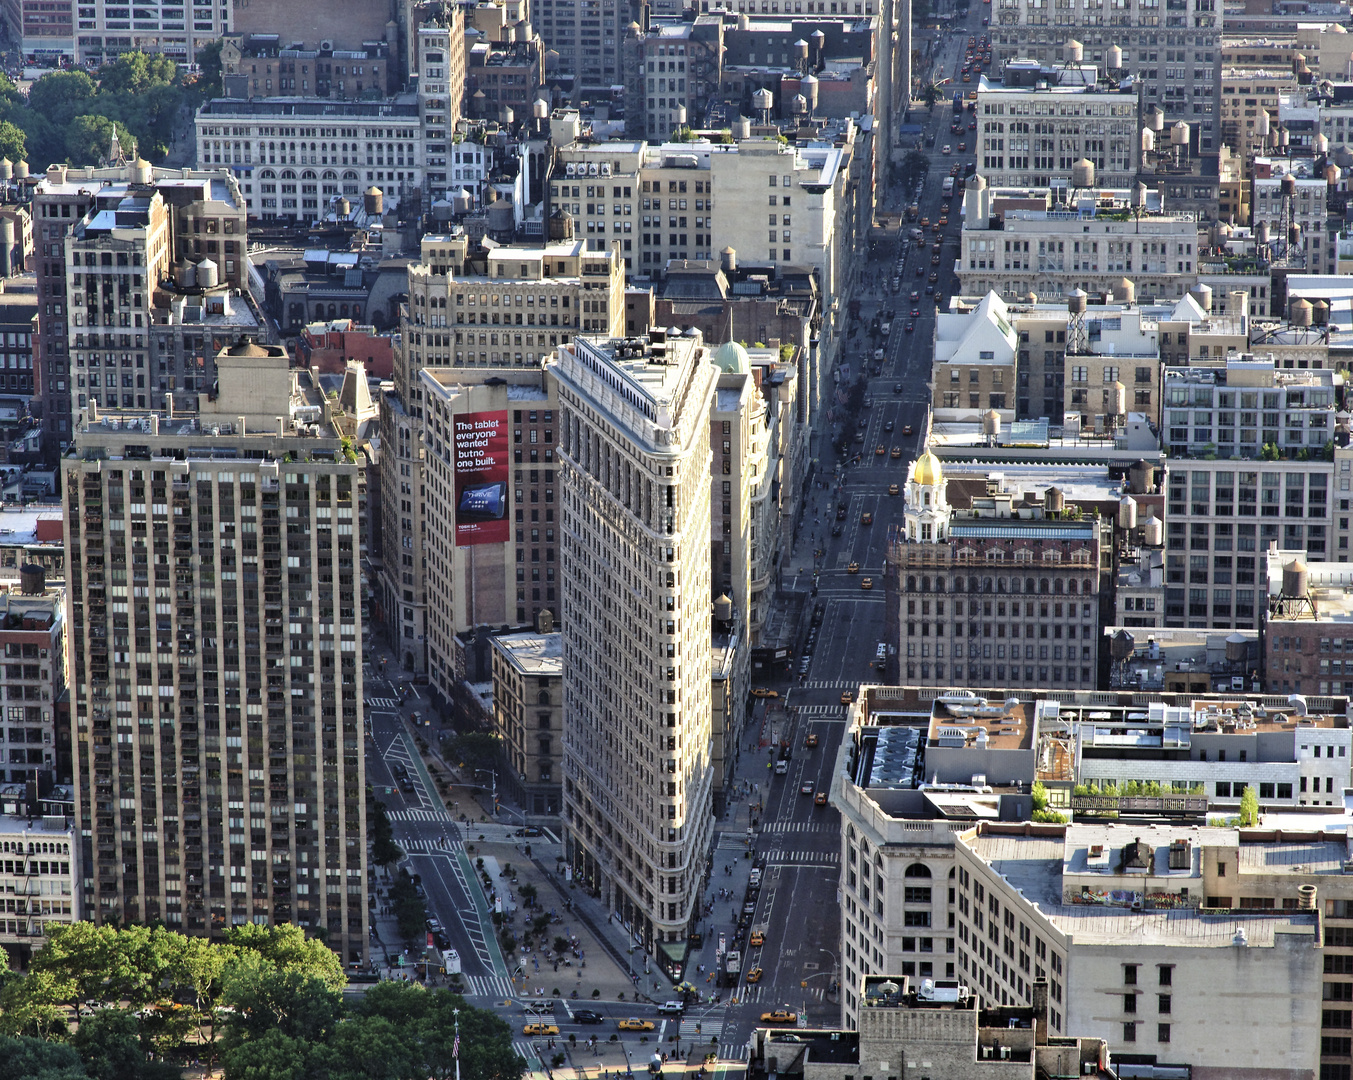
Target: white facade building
x,y
638,777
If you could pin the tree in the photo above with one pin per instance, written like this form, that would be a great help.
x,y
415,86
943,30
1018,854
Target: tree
x,y
1249,807
109,1044
1041,813
475,748
208,83
13,141
266,997
104,963
408,907
28,1058
272,1056
89,139
286,947
59,95
136,73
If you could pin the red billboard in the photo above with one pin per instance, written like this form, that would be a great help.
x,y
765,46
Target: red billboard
x,y
480,444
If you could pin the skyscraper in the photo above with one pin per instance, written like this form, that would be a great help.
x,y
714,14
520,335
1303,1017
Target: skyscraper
x,y
215,598
635,456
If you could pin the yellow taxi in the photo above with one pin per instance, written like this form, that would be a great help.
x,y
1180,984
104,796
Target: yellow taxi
x,y
897,452
780,1016
853,568
758,938
880,450
847,696
866,583
635,1024
866,518
810,740
764,691
820,799
754,976
892,489
540,1029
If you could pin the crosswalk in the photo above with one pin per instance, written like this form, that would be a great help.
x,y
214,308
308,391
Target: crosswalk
x,y
828,684
421,815
383,703
702,1027
524,1048
821,712
793,826
801,858
495,986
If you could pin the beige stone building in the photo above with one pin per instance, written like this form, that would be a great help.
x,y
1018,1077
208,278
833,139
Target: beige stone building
x,y
216,672
1173,53
39,879
1119,920
1245,91
496,315
636,611
506,583
528,714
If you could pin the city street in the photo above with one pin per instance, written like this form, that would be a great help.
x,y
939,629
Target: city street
x,y
772,821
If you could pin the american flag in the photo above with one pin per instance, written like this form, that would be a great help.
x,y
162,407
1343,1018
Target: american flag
x,y
455,1048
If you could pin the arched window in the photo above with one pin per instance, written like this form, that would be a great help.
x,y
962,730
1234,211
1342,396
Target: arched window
x,y
1043,585
911,583
544,697
917,870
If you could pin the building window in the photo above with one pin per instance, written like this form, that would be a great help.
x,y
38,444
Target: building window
x,y
1129,1032
1163,1033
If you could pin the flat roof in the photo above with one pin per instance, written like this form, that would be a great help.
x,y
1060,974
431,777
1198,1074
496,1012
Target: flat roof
x,y
533,653
1033,865
965,719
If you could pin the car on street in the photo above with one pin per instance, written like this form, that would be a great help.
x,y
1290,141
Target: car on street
x,y
671,1008
866,583
587,1016
915,313
635,1024
930,289
781,767
530,830
908,328
866,518
764,691
836,530
934,277
906,429
821,799
888,425
892,489
806,788
840,513
780,1016
947,149
880,450
758,938
853,568
897,388
542,1029
847,696
754,976
897,453
915,295
810,740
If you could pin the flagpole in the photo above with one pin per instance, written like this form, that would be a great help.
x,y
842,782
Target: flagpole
x,y
455,1050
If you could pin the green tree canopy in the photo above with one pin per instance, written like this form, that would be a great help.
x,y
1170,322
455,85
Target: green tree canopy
x,y
287,947
28,1058
89,138
59,95
1249,807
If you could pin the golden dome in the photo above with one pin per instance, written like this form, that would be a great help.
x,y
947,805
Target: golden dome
x,y
927,470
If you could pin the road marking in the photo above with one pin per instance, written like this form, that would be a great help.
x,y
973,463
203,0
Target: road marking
x,y
496,986
421,815
383,703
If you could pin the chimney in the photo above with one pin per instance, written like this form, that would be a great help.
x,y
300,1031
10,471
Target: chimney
x,y
1040,1004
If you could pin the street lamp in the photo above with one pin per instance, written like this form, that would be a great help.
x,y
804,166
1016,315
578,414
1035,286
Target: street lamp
x,y
493,775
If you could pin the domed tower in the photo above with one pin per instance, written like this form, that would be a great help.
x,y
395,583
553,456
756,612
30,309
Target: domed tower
x,y
927,510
